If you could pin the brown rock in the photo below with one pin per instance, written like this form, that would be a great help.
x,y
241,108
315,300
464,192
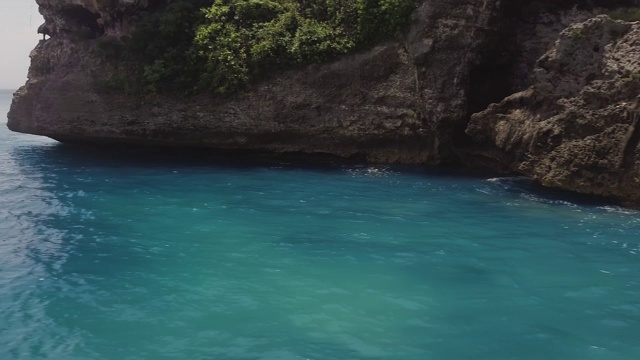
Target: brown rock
x,y
409,101
400,102
576,127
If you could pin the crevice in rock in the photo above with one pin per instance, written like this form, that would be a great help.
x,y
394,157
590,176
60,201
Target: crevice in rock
x,y
491,80
628,155
509,59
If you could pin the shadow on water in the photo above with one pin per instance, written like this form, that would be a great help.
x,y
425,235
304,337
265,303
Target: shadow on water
x,y
151,157
163,157
63,156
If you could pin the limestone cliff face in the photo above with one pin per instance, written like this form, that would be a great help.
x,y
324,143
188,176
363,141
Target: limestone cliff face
x,y
577,127
570,123
400,102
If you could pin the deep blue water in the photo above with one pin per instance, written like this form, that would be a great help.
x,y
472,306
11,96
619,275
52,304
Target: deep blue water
x,y
145,257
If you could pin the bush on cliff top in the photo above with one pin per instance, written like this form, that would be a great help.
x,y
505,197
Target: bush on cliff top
x,y
626,14
220,45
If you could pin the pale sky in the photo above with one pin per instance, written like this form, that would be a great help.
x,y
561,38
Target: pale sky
x,y
19,21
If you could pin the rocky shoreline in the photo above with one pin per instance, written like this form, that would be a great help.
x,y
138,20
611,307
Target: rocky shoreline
x,y
545,89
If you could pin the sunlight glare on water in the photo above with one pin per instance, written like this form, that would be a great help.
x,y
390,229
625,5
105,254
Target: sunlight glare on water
x,y
148,257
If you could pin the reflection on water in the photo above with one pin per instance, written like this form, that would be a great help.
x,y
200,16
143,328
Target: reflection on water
x,y
116,256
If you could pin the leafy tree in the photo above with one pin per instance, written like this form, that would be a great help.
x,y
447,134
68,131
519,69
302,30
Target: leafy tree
x,y
220,45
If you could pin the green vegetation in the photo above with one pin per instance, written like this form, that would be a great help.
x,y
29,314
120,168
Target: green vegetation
x,y
626,14
119,83
576,33
220,45
632,77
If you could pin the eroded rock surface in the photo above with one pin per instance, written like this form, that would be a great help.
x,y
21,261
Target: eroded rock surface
x,y
576,128
400,102
409,101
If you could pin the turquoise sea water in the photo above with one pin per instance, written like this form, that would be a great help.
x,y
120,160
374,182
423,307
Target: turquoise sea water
x,y
140,257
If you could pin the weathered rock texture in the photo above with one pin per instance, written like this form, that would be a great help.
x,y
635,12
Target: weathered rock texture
x,y
400,102
577,127
91,16
408,101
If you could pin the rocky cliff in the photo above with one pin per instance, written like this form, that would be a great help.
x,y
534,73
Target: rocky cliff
x,y
407,101
399,102
577,127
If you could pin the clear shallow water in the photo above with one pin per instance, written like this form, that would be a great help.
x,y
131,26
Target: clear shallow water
x,y
121,257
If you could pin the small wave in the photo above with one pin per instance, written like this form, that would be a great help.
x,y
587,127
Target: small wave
x,y
372,171
544,200
618,210
508,184
508,179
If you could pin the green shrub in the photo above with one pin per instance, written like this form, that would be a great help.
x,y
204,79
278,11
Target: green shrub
x,y
220,45
316,42
119,83
576,33
626,14
162,45
632,77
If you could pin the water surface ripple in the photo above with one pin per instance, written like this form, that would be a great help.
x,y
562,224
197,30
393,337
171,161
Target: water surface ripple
x,y
122,257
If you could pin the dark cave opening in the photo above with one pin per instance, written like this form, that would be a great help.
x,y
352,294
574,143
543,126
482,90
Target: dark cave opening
x,y
491,79
499,73
82,21
489,82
